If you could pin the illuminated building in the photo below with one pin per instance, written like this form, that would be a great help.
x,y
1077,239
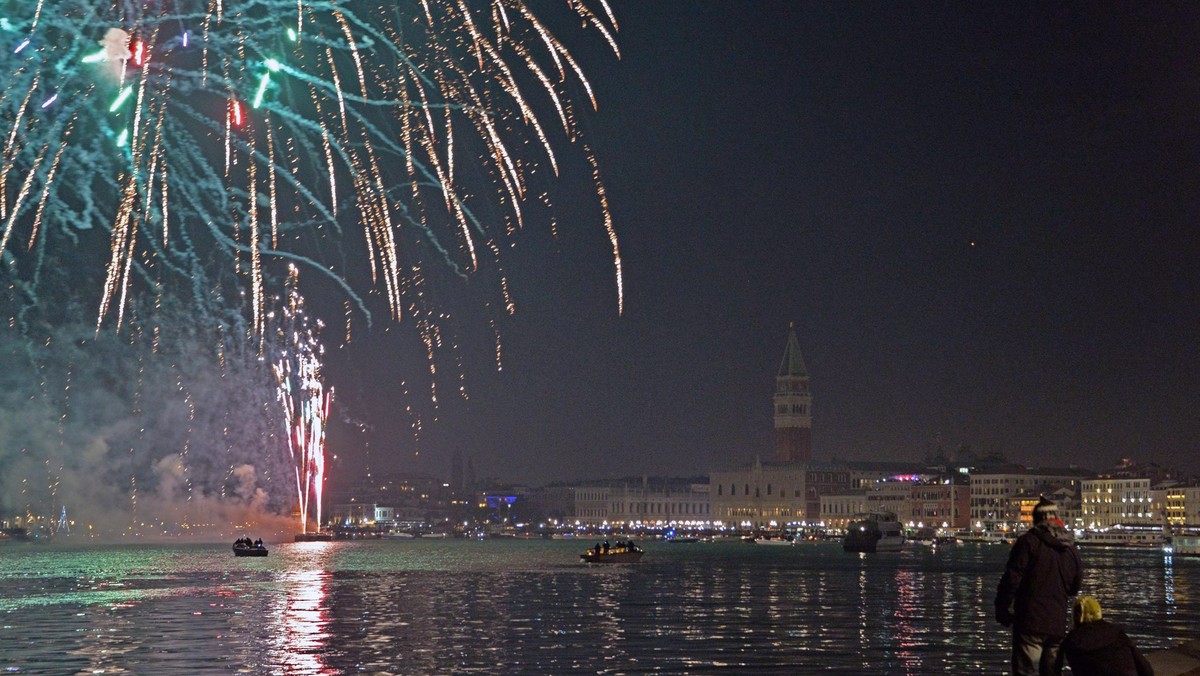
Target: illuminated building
x,y
1107,502
997,493
1178,505
644,504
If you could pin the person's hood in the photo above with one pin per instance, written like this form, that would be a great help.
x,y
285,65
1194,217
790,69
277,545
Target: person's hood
x,y
1053,534
1094,636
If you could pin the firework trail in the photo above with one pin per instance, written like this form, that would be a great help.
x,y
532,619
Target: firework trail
x,y
191,133
304,399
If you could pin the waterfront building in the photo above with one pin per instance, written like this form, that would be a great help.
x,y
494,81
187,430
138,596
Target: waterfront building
x,y
764,495
649,503
1177,506
838,510
892,495
943,502
865,474
591,505
793,405
997,492
1108,502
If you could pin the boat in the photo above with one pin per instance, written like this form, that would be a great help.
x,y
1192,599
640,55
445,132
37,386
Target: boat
x,y
874,532
1183,543
398,536
1120,538
314,537
624,552
992,537
241,548
775,541
681,539
14,535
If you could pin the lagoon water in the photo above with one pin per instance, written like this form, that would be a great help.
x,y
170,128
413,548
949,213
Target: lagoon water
x,y
530,607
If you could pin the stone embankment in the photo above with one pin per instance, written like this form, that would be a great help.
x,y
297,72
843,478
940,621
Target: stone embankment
x,y
1182,660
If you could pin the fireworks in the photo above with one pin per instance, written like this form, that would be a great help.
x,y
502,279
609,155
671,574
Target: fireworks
x,y
252,131
304,399
187,153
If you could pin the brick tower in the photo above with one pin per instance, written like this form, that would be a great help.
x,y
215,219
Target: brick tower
x,y
793,405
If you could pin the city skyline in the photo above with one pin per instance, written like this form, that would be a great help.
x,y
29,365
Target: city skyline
x,y
978,221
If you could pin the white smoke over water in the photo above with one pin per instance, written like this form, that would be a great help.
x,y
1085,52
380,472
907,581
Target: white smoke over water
x,y
148,434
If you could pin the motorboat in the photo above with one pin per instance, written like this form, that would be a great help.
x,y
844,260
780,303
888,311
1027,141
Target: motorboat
x,y
624,552
244,548
874,532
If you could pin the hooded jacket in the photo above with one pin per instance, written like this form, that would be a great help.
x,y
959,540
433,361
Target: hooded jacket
x,y
1102,648
1042,573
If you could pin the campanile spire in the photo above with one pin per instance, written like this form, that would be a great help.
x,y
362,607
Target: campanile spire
x,y
793,405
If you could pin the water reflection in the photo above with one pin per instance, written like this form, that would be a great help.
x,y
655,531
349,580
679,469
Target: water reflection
x,y
530,608
303,614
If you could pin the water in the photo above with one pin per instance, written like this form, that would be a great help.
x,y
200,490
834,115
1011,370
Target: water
x,y
529,607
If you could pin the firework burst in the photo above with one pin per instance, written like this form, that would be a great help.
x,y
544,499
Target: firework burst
x,y
304,399
189,133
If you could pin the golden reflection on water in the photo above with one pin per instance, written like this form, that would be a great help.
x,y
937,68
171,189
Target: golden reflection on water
x,y
303,614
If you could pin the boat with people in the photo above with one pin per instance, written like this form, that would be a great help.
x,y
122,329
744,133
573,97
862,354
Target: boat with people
x,y
247,547
874,532
621,552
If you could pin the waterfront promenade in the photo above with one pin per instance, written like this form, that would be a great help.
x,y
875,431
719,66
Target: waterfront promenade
x,y
1181,660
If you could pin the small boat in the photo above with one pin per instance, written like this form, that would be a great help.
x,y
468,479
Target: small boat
x,y
243,549
314,537
874,532
622,553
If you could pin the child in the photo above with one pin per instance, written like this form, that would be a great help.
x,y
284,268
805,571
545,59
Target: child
x,y
1095,647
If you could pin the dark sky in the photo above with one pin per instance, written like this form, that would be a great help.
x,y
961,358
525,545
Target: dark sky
x,y
981,218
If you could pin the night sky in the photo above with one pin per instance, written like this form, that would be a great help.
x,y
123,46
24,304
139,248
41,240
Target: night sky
x,y
981,219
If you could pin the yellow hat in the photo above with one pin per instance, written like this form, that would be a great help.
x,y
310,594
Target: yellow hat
x,y
1087,609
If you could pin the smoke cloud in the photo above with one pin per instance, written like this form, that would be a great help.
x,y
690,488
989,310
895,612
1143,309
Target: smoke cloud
x,y
148,433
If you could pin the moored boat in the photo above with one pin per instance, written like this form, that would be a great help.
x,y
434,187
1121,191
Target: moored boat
x,y
874,532
1120,538
994,537
314,537
624,552
1183,544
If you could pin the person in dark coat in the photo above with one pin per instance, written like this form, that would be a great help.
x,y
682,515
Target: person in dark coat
x,y
1096,647
1042,573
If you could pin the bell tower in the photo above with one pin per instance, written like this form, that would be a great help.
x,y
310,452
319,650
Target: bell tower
x,y
793,405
